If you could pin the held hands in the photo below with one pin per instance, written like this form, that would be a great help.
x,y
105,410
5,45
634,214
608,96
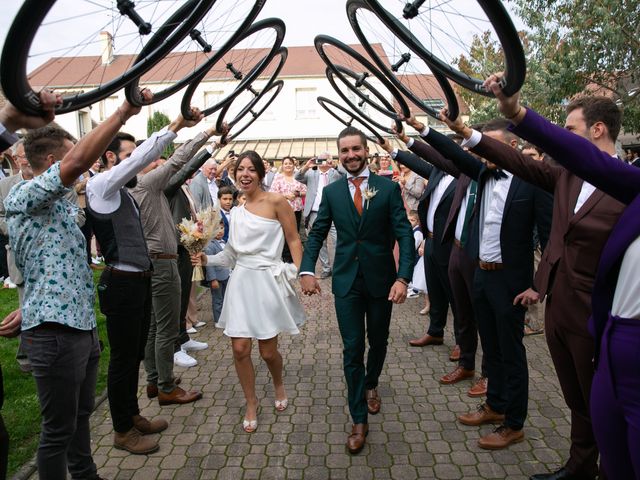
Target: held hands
x,y
222,133
10,326
198,259
13,119
528,297
509,106
309,285
398,292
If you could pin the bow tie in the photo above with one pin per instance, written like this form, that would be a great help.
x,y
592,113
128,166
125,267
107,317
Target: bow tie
x,y
498,174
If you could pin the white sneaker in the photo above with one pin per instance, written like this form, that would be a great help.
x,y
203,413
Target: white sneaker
x,y
413,294
182,359
95,260
192,330
193,346
8,283
200,324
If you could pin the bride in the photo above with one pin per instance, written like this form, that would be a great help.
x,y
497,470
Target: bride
x,y
260,302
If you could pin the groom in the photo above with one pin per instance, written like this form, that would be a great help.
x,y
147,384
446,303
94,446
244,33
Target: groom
x,y
369,217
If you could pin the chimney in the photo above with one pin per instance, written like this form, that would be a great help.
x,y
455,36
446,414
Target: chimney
x,y
106,42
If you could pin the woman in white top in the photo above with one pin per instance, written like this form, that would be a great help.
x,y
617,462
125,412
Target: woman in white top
x,y
260,302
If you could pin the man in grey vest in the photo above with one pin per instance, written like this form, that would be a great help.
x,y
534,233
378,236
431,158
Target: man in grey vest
x,y
125,285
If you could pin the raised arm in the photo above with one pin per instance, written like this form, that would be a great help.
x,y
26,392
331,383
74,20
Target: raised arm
x,y
189,169
409,159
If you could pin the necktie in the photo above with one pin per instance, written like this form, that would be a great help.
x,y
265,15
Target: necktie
x,y
467,214
325,179
357,195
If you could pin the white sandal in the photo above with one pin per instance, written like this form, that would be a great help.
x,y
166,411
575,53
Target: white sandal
x,y
249,426
281,405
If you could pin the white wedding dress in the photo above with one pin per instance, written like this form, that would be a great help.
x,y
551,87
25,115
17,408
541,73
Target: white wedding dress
x,y
260,301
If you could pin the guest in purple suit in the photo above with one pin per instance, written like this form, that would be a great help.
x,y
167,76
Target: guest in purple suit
x,y
615,320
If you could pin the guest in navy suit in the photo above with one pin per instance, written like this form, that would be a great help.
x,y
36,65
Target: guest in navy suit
x,y
615,318
225,200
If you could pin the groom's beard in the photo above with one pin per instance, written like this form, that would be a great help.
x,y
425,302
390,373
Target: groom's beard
x,y
132,183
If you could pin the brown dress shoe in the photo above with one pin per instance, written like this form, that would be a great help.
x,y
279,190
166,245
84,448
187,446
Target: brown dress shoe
x,y
482,415
133,442
501,438
426,340
152,389
356,440
457,375
479,388
454,356
373,401
178,396
146,427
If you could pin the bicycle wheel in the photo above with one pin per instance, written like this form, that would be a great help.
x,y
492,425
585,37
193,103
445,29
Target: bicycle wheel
x,y
259,106
335,53
237,67
60,43
410,74
214,33
348,119
245,101
380,103
433,28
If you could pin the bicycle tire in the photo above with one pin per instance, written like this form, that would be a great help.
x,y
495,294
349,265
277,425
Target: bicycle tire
x,y
388,106
375,138
319,43
450,97
132,90
13,66
269,23
515,62
283,53
277,85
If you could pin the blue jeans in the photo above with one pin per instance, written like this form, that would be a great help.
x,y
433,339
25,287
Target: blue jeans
x,y
65,367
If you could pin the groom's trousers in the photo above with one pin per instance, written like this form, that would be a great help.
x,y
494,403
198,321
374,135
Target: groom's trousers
x,y
361,315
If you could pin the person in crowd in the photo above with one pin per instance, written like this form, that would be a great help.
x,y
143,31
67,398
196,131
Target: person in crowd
x,y
635,158
586,147
241,198
80,188
204,187
418,283
412,186
369,216
461,268
257,233
162,243
225,199
388,167
582,220
316,174
59,327
217,277
269,175
293,191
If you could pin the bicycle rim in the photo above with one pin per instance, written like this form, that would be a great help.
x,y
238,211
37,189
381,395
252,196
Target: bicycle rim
x,y
348,119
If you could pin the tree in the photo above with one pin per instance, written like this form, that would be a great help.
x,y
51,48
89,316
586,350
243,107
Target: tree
x,y
156,122
572,47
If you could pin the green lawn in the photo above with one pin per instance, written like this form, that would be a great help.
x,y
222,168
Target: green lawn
x,y
21,412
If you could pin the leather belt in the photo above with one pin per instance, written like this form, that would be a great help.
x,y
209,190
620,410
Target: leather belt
x,y
457,243
490,266
124,273
429,234
163,256
58,327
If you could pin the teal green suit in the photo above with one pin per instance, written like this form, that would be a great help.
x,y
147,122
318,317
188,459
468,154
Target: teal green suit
x,y
363,272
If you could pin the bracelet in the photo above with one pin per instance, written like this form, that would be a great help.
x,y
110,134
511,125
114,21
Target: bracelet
x,y
402,281
516,114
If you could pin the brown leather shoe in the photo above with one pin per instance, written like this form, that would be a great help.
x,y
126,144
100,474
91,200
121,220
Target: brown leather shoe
x,y
482,415
454,356
146,427
501,438
373,401
133,442
457,375
152,389
356,440
426,340
479,388
178,396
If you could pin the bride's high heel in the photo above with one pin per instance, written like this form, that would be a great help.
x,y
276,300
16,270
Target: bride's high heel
x,y
281,405
251,426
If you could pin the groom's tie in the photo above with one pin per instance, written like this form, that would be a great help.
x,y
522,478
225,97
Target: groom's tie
x,y
357,195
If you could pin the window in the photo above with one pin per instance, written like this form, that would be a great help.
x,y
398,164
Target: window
x,y
306,103
212,97
108,106
84,123
436,103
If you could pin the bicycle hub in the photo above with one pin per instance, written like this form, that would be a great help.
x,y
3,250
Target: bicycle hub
x,y
127,8
197,36
403,59
236,74
410,10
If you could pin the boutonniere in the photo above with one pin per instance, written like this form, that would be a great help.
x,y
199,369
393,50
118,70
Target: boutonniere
x,y
368,194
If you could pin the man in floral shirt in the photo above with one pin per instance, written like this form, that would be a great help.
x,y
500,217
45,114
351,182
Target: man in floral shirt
x,y
58,322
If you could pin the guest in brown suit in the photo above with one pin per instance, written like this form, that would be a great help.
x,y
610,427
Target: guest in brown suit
x,y
582,221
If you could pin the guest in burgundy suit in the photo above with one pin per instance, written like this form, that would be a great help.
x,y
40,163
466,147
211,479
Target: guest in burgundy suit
x,y
614,323
582,221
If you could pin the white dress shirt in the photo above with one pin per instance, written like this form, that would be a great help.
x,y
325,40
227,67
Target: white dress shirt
x,y
494,198
436,196
626,301
585,192
103,189
213,190
323,181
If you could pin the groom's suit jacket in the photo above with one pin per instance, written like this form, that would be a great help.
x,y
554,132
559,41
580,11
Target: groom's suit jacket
x,y
365,243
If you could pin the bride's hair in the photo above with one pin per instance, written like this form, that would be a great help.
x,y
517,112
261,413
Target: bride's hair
x,y
256,161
